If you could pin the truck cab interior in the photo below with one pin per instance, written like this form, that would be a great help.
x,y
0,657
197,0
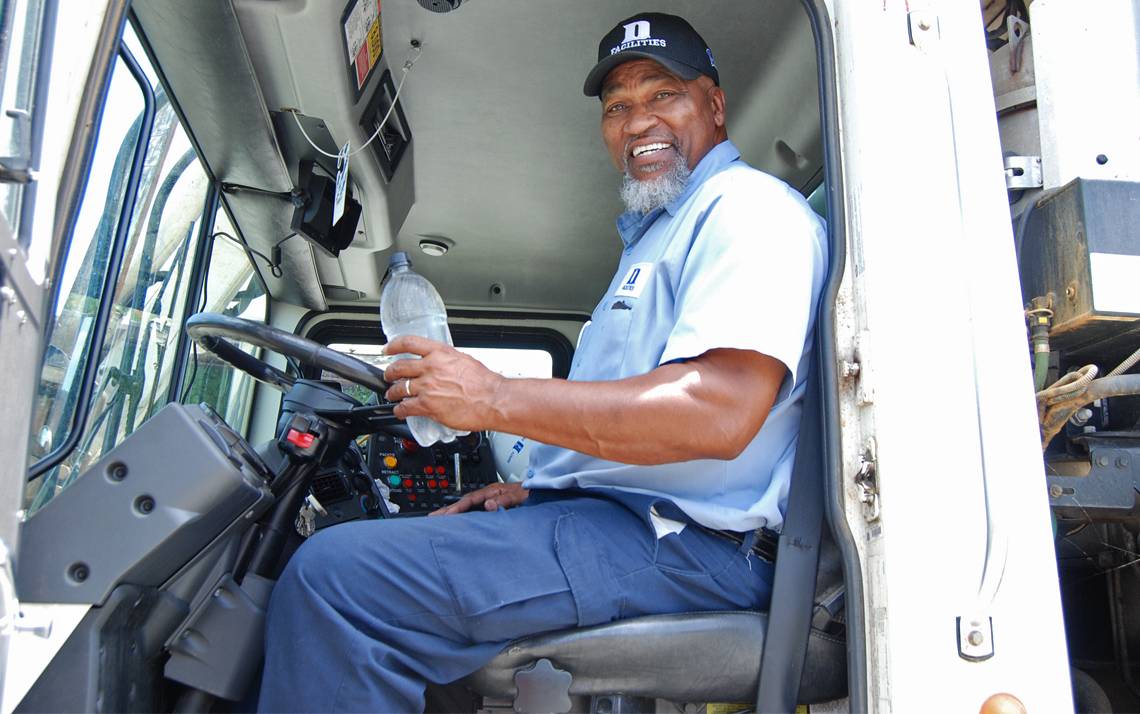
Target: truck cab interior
x,y
226,401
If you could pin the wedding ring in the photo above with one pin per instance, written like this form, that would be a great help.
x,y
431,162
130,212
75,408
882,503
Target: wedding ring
x,y
408,386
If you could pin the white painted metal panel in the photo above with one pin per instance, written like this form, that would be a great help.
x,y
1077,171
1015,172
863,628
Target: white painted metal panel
x,y
964,527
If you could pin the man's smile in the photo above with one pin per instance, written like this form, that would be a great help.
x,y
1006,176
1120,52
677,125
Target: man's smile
x,y
649,155
649,148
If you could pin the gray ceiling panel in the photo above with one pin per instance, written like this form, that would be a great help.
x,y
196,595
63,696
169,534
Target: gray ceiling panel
x,y
200,50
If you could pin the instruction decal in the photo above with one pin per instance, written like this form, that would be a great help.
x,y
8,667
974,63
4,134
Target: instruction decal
x,y
363,41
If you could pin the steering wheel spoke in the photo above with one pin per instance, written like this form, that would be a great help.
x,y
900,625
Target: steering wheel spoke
x,y
258,369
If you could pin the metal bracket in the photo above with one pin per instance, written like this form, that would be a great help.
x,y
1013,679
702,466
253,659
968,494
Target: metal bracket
x,y
1023,172
1017,30
868,485
23,176
975,638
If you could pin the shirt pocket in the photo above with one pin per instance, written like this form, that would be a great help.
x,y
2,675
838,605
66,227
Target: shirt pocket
x,y
603,354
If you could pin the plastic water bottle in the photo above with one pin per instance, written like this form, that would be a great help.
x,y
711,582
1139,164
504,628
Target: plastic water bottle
x,y
410,305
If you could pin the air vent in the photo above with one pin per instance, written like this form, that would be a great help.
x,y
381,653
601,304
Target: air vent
x,y
441,5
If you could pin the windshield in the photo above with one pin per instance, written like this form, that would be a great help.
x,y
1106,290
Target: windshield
x,y
150,296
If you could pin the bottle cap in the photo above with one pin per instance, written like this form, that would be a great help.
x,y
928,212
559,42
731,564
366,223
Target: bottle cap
x,y
398,259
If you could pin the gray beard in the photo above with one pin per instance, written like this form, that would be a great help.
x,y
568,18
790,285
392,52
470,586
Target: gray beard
x,y
643,196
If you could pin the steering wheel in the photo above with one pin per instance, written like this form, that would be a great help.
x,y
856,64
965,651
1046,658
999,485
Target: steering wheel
x,y
211,330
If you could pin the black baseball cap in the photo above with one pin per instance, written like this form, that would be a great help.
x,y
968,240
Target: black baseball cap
x,y
668,39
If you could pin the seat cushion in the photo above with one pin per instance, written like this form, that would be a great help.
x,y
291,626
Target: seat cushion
x,y
690,657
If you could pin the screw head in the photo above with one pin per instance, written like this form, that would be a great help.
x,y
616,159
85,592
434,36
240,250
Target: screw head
x,y
78,572
1101,159
1055,491
144,505
923,24
975,637
1102,461
117,472
1122,462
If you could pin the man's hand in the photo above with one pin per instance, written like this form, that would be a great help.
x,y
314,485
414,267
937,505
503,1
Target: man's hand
x,y
446,385
491,498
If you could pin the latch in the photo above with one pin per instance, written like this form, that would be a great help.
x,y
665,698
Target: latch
x,y
975,638
1023,172
867,482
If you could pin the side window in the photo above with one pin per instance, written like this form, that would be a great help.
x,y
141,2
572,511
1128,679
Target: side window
x,y
232,288
149,293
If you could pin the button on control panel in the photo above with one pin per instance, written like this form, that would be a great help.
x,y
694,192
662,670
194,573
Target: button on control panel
x,y
422,479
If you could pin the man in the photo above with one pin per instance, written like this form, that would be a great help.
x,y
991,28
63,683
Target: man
x,y
657,462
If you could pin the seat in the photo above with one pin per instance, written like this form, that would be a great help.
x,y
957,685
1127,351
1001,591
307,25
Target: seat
x,y
688,657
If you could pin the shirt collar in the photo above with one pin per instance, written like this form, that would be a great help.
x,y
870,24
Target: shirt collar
x,y
632,224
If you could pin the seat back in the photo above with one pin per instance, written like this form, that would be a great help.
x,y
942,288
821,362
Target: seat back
x,y
797,562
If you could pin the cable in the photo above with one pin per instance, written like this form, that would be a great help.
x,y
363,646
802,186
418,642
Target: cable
x,y
274,268
1126,364
193,372
413,55
194,343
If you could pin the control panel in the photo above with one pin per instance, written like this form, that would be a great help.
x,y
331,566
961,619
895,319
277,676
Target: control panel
x,y
422,479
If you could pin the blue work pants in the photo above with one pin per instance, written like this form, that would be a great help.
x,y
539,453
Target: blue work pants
x,y
367,613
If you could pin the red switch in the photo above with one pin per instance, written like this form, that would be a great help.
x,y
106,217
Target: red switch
x,y
300,439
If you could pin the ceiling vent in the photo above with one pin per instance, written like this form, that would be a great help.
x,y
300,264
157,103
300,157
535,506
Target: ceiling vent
x,y
441,5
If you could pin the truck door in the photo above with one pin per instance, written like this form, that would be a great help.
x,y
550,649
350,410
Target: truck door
x,y
53,65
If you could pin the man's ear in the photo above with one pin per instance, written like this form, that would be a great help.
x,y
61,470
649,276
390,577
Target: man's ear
x,y
716,102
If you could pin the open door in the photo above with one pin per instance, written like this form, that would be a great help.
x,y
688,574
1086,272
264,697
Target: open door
x,y
53,70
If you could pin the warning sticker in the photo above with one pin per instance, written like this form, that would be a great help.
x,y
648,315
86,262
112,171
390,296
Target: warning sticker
x,y
374,43
362,38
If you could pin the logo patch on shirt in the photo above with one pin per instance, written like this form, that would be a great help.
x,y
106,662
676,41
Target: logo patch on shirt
x,y
635,280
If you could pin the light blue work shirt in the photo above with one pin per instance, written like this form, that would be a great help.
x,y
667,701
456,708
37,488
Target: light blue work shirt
x,y
737,261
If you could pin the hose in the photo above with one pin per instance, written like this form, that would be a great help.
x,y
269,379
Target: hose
x,y
1040,369
1039,316
1059,411
1068,386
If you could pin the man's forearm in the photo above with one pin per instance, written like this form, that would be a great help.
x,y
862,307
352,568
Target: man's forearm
x,y
707,407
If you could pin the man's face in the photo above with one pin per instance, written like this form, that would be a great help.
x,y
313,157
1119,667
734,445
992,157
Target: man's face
x,y
650,116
